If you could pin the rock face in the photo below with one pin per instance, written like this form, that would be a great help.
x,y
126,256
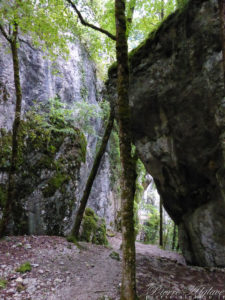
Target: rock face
x,y
51,184
178,124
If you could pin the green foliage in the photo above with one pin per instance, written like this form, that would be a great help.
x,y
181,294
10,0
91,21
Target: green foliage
x,y
3,283
168,235
53,116
48,125
146,17
84,115
26,267
100,47
151,227
93,228
45,21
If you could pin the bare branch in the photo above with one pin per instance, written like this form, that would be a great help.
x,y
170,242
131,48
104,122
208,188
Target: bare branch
x,y
28,44
113,37
6,36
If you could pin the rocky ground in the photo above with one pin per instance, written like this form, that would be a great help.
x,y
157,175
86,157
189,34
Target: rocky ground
x,y
62,271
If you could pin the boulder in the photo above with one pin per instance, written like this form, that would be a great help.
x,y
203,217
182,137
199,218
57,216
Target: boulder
x,y
178,124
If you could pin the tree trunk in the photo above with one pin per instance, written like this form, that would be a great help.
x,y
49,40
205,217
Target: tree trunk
x,y
161,223
91,178
222,20
16,124
128,289
174,236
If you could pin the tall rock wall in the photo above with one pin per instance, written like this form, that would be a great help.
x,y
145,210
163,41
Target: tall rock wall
x,y
178,125
49,184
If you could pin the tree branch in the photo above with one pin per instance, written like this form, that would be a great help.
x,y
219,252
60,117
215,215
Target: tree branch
x,y
113,37
28,44
5,34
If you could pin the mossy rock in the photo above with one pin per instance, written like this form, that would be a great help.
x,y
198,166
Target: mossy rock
x,y
49,159
93,228
115,255
54,184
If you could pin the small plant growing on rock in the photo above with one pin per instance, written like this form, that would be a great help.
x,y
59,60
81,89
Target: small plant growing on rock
x,y
26,267
3,283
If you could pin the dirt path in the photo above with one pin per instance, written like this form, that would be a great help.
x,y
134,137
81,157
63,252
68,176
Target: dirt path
x,y
62,271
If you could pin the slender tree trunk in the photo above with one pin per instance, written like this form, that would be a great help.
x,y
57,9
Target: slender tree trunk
x,y
128,289
93,173
222,20
174,236
161,223
16,124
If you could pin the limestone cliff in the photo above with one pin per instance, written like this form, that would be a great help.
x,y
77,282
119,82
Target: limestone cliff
x,y
178,124
53,173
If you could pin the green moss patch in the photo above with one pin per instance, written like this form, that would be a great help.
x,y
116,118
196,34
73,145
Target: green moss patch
x,y
54,184
93,228
26,267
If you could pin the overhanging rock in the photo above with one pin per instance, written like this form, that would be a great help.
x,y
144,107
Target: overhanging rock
x,y
178,125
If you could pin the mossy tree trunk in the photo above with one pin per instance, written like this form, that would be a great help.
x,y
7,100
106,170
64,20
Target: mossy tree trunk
x,y
16,124
160,223
128,289
222,20
93,173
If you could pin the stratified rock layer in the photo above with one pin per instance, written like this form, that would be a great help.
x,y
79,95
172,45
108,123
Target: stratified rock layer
x,y
178,121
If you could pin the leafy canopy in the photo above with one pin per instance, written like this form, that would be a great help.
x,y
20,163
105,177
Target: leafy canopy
x,y
144,17
45,22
